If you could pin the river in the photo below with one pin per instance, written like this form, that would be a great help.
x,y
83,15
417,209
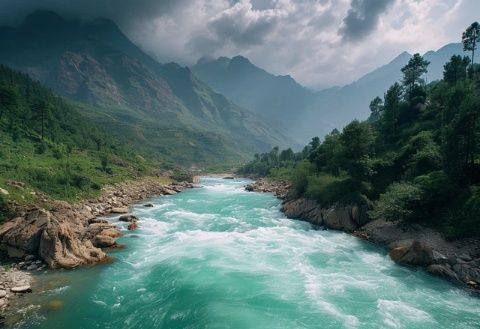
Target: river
x,y
220,257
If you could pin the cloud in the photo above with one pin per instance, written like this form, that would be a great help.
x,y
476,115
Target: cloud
x,y
319,42
362,17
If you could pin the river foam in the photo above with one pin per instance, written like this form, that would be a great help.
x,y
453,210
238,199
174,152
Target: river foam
x,y
220,257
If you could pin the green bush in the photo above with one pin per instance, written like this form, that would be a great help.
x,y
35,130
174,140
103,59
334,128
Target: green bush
x,y
300,176
397,203
5,211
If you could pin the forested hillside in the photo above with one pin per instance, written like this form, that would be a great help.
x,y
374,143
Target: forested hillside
x,y
48,145
162,107
416,159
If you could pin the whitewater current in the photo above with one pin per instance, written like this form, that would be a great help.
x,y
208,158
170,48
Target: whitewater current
x,y
221,257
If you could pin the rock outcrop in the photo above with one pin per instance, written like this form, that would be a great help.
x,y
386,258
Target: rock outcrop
x,y
278,188
345,218
68,236
408,244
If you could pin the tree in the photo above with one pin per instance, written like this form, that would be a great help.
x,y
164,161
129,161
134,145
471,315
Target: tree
x,y
412,73
376,108
392,110
456,69
9,104
357,147
470,38
287,155
40,113
315,143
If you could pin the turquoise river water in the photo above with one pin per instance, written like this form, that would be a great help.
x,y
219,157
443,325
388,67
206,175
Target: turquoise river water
x,y
220,257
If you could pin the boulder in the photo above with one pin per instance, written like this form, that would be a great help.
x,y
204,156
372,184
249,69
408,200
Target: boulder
x,y
22,235
103,241
442,270
132,226
168,191
119,210
60,246
112,232
128,218
29,258
21,289
417,253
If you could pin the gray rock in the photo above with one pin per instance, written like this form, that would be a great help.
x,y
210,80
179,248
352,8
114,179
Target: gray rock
x,y
3,293
29,258
32,267
128,218
465,257
443,270
21,289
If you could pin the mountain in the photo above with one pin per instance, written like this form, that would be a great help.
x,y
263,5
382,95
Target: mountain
x,y
303,112
335,107
163,107
278,98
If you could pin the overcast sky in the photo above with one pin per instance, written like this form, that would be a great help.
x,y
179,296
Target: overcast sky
x,y
319,42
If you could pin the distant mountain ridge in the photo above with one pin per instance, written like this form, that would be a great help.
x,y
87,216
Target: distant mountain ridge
x,y
163,106
274,97
306,113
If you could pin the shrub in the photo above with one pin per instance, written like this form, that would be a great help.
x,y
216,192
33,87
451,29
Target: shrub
x,y
40,148
397,203
300,176
5,210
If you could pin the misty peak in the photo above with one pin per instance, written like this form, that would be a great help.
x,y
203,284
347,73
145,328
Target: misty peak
x,y
240,60
41,19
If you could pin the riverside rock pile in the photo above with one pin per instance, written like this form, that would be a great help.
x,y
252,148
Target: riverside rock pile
x,y
414,245
13,282
278,188
68,236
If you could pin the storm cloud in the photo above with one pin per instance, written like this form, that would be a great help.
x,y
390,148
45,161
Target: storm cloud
x,y
362,17
320,43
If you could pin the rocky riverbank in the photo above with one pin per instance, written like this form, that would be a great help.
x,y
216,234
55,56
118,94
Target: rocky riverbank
x,y
62,235
413,245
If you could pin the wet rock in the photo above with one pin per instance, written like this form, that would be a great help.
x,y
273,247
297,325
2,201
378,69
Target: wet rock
x,y
148,205
168,191
132,226
416,254
32,267
120,210
21,289
346,218
228,177
444,271
128,218
103,241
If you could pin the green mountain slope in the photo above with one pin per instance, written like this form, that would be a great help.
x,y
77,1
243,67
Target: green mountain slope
x,y
163,107
48,144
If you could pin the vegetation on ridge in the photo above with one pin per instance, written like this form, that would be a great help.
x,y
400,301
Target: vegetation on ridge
x,y
416,159
46,143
